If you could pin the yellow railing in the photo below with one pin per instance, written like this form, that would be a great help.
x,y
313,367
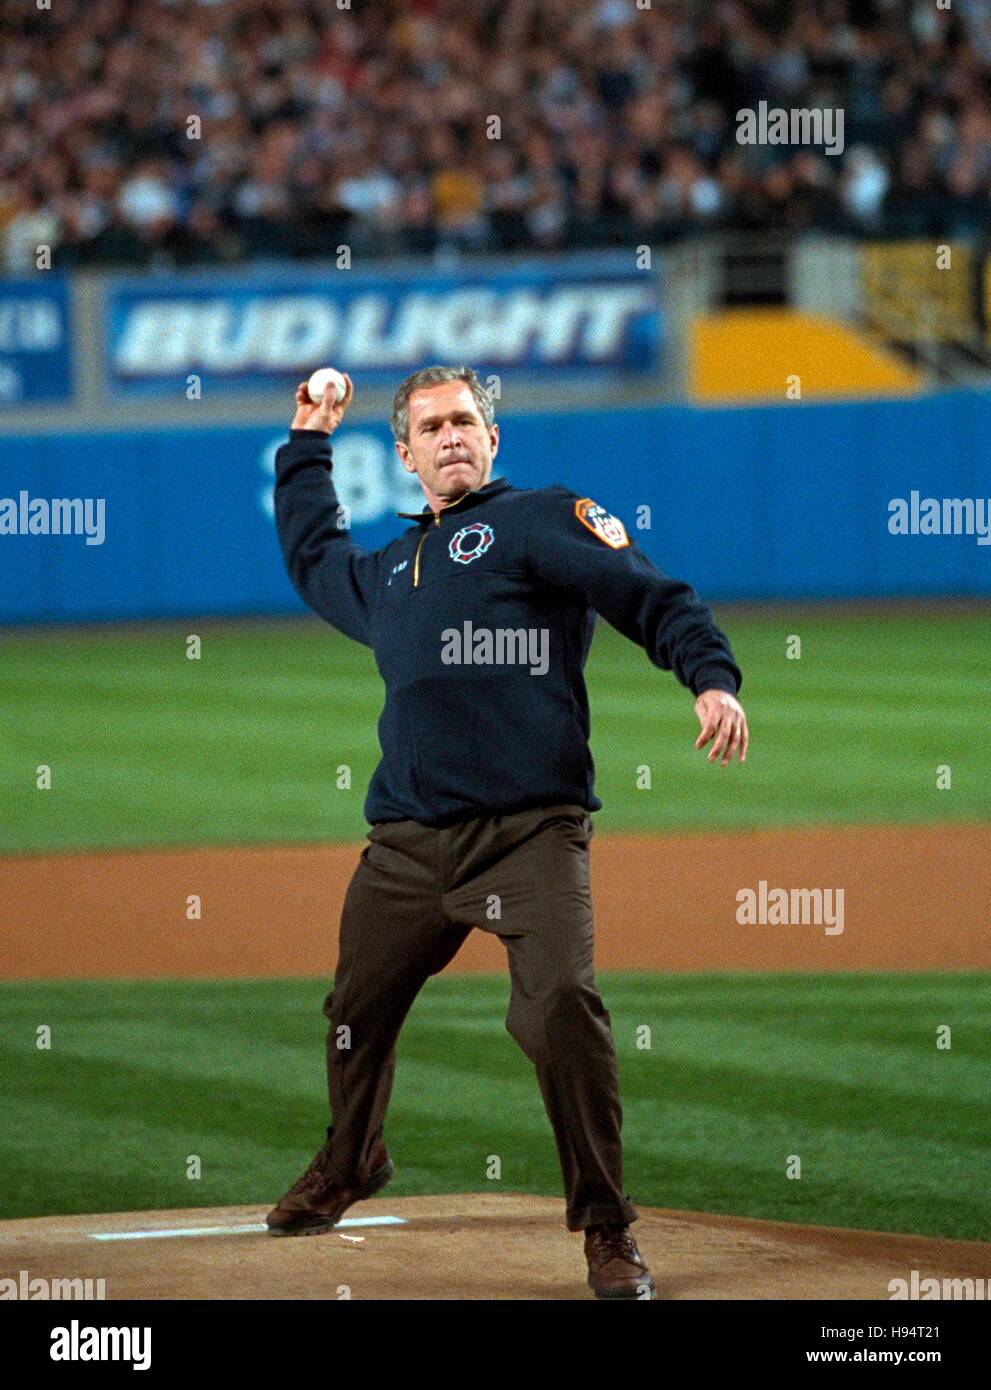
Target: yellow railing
x,y
920,291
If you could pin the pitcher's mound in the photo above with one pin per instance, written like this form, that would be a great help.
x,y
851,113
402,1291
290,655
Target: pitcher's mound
x,y
473,1245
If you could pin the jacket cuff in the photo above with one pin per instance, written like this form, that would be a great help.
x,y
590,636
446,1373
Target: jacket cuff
x,y
309,434
304,449
715,678
308,445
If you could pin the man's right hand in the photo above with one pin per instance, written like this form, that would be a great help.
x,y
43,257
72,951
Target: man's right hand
x,y
327,415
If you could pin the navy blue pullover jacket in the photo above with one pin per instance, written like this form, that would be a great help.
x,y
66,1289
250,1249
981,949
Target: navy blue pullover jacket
x,y
481,617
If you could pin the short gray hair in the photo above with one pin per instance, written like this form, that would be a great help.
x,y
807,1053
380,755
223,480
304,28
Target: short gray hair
x,y
437,376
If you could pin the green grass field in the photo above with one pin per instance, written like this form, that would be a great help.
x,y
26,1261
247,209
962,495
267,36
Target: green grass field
x,y
149,748
842,1071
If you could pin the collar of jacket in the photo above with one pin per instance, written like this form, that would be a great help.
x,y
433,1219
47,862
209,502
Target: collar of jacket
x,y
480,494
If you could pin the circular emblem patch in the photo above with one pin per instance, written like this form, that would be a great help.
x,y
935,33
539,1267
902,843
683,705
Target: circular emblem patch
x,y
470,542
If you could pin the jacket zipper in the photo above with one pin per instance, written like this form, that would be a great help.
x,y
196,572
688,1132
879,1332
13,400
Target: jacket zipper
x,y
416,559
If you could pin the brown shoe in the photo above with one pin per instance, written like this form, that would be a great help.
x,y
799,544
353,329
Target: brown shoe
x,y
615,1265
317,1201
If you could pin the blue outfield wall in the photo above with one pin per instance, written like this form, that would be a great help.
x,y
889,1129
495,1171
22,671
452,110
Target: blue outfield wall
x,y
746,503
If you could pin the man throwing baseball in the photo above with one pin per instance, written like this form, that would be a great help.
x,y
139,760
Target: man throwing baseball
x,y
480,616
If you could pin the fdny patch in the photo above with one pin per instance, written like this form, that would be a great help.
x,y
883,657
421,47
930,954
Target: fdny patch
x,y
601,523
470,542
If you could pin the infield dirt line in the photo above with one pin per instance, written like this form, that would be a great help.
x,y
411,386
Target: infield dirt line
x,y
915,898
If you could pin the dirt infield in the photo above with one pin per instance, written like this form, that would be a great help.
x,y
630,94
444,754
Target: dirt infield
x,y
470,1246
915,898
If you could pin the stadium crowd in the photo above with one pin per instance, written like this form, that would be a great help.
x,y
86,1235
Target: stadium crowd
x,y
179,132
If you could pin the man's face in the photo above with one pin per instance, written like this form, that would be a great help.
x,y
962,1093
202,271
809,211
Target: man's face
x,y
450,448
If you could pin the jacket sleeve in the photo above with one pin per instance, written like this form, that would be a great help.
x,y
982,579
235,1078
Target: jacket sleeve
x,y
336,578
664,616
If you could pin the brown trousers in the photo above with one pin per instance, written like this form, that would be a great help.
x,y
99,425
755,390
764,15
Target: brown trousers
x,y
416,894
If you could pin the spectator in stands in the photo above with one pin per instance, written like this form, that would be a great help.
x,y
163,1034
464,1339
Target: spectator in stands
x,y
372,127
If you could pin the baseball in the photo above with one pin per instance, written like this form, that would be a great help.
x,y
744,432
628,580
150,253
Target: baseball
x,y
320,380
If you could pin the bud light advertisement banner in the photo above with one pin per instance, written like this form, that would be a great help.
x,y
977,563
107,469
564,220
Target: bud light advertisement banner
x,y
35,341
583,316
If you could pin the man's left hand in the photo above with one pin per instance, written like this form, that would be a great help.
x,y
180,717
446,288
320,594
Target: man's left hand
x,y
722,718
